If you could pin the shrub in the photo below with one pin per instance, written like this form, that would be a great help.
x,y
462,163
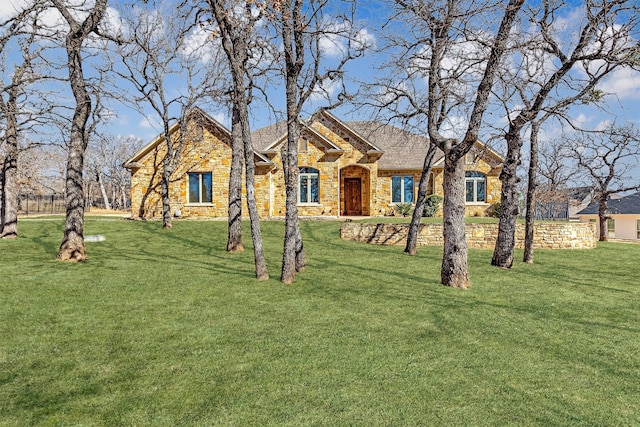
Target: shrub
x,y
404,209
431,205
494,210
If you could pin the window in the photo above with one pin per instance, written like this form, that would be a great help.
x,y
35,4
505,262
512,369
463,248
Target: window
x,y
476,186
611,227
200,187
308,191
402,189
638,229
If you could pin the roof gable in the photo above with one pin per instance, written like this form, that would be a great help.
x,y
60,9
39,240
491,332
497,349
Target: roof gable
x,y
306,131
195,114
402,149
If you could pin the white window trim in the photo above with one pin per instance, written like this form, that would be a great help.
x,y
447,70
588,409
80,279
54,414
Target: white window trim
x,y
309,175
200,174
475,180
392,203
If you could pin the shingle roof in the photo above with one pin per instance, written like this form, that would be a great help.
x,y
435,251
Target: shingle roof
x,y
625,205
578,193
402,149
267,135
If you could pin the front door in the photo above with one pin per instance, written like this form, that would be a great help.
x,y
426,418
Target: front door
x,y
353,196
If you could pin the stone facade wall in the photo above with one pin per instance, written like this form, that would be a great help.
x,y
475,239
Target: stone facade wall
x,y
207,153
208,150
546,235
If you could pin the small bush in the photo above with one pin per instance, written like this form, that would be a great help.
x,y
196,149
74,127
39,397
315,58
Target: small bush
x,y
431,205
495,210
404,209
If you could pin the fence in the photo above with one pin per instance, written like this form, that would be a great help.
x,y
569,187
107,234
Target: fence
x,y
30,204
551,210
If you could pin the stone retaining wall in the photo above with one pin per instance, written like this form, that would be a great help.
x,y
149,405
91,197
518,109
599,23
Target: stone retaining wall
x,y
546,235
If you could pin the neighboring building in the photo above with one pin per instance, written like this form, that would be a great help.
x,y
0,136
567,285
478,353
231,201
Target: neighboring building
x,y
346,169
624,214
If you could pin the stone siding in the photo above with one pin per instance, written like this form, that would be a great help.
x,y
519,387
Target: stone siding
x,y
546,235
208,151
344,157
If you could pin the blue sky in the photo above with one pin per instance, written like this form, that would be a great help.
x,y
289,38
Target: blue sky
x,y
622,89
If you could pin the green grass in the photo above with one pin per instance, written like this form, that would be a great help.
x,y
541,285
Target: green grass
x,y
165,328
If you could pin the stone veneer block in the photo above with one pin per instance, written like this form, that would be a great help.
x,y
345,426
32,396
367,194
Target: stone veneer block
x,y
481,236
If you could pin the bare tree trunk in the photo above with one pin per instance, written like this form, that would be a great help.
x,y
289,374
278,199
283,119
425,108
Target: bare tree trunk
x,y
291,228
531,194
293,258
414,227
123,197
72,247
454,271
602,219
249,166
166,200
103,191
301,262
9,196
234,237
505,243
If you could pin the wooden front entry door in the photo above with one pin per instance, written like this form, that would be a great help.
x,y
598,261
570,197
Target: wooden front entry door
x,y
353,196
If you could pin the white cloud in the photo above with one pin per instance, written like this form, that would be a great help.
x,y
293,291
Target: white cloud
x,y
325,90
150,122
9,8
454,127
222,118
390,95
333,43
602,125
363,39
336,35
112,22
624,83
580,120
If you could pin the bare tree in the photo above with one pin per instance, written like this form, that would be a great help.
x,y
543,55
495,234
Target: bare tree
x,y
601,45
447,24
553,165
236,21
532,186
105,157
19,32
155,49
411,246
72,247
304,28
607,160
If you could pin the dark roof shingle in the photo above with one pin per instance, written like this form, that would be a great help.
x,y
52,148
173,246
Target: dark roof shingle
x,y
625,205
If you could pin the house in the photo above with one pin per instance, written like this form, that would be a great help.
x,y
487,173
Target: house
x,y
624,214
346,169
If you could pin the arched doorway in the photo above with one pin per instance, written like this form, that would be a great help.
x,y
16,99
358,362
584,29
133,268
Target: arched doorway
x,y
354,191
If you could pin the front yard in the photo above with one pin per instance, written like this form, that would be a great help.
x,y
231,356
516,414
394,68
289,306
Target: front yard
x,y
166,328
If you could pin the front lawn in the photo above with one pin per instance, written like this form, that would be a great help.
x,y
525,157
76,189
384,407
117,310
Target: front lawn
x,y
165,328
